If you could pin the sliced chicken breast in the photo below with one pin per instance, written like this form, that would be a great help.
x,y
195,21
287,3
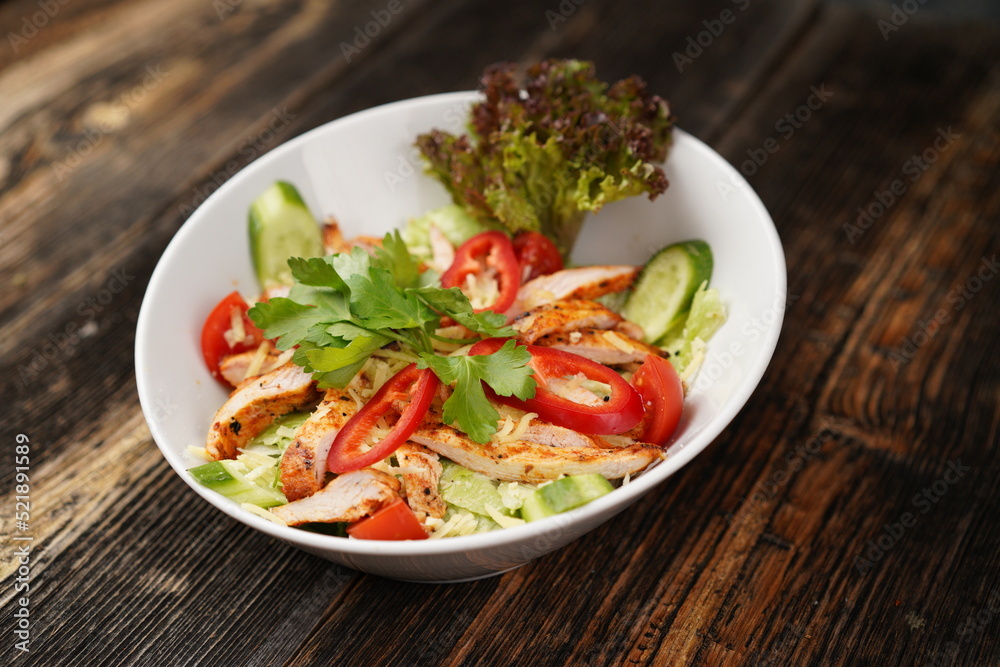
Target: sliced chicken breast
x,y
524,461
420,480
544,433
610,348
347,498
563,316
569,315
303,465
237,368
588,282
253,406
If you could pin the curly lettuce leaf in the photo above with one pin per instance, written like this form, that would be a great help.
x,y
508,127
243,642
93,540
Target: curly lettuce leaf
x,y
539,157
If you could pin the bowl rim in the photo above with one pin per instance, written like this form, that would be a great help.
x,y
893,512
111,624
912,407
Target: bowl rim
x,y
609,504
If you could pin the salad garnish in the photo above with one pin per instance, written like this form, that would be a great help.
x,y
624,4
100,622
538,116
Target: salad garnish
x,y
538,157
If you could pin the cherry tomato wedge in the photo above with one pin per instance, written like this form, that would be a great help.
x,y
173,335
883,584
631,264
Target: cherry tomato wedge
x,y
490,253
418,386
537,255
662,397
393,522
214,345
619,413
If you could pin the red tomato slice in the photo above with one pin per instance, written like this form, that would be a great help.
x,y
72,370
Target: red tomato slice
x,y
485,251
621,412
214,345
416,385
662,397
537,255
393,522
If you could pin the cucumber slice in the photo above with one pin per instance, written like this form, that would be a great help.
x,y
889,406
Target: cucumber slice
x,y
662,294
228,478
281,227
563,495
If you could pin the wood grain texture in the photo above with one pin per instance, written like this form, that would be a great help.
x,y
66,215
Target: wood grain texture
x,y
762,551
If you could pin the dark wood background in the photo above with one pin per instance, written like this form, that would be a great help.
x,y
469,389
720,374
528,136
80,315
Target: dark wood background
x,y
800,537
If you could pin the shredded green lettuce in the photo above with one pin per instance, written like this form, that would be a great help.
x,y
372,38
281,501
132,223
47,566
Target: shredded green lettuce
x,y
491,504
707,314
453,221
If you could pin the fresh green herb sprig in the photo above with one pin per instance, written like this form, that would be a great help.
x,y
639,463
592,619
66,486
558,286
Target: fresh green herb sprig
x,y
344,307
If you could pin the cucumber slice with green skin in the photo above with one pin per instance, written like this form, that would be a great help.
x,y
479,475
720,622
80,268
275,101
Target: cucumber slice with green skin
x,y
281,226
563,495
227,478
660,300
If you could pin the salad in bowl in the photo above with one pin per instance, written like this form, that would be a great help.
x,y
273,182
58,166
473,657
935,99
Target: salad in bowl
x,y
473,361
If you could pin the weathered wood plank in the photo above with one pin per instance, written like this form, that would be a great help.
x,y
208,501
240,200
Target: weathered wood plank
x,y
66,298
740,559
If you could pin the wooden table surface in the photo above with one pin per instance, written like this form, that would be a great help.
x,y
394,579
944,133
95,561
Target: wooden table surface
x,y
846,516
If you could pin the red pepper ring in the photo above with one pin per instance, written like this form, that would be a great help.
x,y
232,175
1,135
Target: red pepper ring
x,y
417,385
488,249
621,412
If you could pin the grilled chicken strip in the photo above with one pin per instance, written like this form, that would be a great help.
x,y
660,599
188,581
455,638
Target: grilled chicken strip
x,y
334,241
543,433
303,465
235,366
610,348
421,481
349,497
253,406
588,282
524,461
568,315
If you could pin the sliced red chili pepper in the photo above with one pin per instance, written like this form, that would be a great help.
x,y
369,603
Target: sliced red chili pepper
x,y
417,385
214,345
485,251
662,397
620,412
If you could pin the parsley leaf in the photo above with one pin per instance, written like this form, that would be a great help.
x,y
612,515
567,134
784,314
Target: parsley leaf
x,y
317,272
506,371
286,320
453,302
331,358
394,255
380,304
338,377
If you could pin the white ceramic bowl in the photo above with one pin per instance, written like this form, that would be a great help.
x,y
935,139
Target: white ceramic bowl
x,y
364,170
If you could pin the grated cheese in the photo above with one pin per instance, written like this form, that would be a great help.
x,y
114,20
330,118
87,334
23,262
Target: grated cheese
x,y
513,424
199,453
352,392
506,428
619,341
283,358
237,332
502,519
461,523
262,513
257,362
